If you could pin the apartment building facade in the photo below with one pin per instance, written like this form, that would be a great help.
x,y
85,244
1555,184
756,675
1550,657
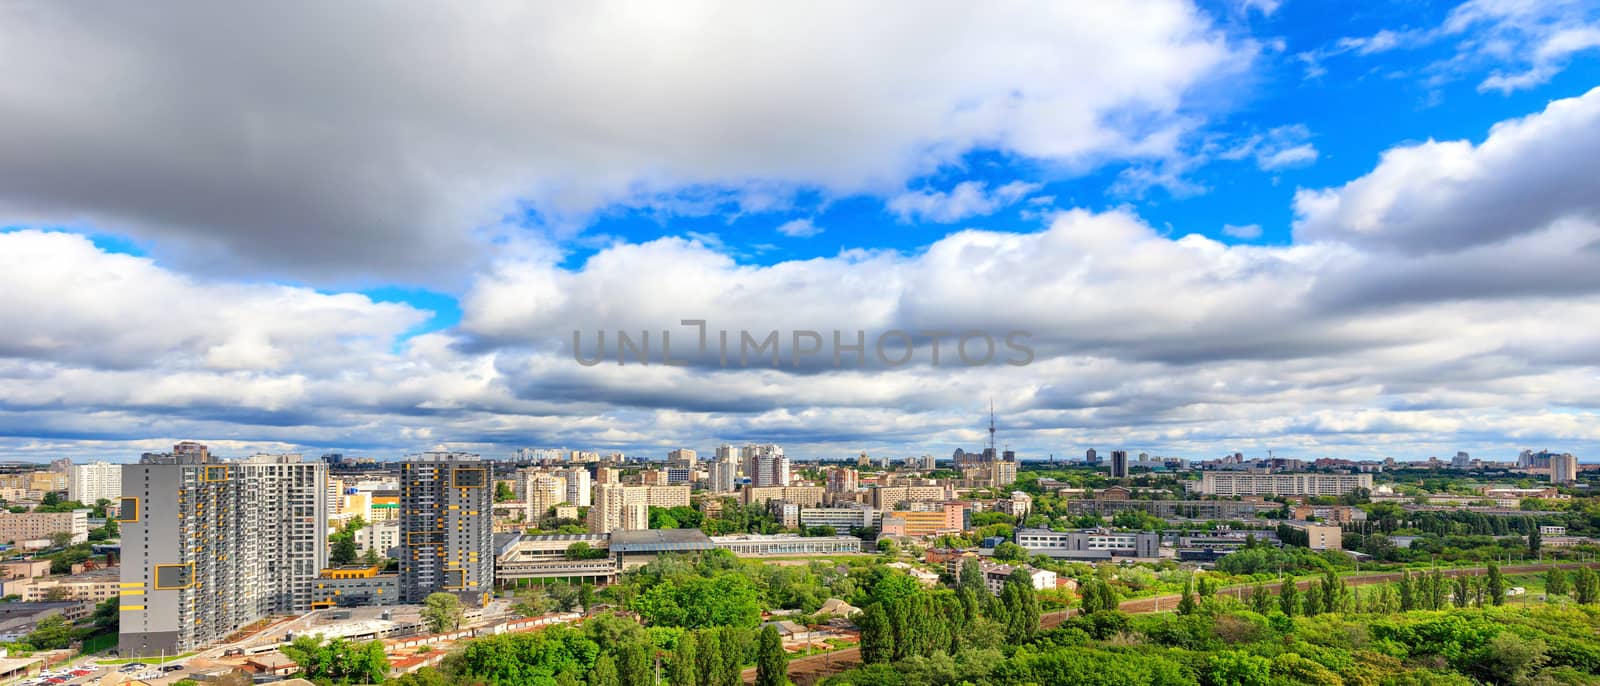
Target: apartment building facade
x,y
94,481
1312,484
209,547
447,527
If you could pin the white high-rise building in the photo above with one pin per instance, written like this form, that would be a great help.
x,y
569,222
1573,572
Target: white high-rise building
x,y
579,486
543,491
94,481
766,465
723,475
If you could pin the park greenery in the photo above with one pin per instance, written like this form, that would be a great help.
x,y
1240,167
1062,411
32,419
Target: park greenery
x,y
1425,630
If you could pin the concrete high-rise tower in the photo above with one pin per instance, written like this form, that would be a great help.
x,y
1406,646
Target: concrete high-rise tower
x,y
210,547
446,527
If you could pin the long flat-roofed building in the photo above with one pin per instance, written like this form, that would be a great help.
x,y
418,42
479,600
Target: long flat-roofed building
x,y
1236,483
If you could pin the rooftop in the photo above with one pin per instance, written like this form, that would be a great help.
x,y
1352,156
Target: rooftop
x,y
659,541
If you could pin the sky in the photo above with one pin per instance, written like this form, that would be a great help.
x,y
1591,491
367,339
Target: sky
x,y
1309,228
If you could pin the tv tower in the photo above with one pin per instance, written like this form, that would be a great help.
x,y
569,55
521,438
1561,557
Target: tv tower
x,y
993,455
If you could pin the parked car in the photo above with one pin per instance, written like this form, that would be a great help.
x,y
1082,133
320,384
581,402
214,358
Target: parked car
x,y
172,668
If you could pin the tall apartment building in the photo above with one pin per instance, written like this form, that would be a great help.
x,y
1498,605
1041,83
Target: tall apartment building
x,y
579,486
446,527
1235,483
627,508
1091,457
682,457
209,547
1563,468
1002,473
91,482
842,484
724,474
766,465
619,508
1119,464
542,491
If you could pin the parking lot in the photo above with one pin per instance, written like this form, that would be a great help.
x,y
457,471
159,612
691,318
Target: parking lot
x,y
85,674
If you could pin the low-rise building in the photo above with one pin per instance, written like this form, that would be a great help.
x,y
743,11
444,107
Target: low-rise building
x,y
1093,544
804,496
841,518
1319,536
30,529
355,586
995,576
754,545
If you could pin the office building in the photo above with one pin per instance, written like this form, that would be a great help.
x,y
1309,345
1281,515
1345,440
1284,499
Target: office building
x,y
89,483
1236,483
1563,468
447,528
1097,544
210,547
1319,536
1119,464
1091,457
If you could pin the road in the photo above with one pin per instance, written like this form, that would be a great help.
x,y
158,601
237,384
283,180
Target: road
x,y
805,671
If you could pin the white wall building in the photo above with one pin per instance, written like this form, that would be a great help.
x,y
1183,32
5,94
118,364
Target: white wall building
x,y
93,481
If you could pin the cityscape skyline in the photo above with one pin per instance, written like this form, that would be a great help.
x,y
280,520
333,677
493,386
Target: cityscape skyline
x,y
1223,226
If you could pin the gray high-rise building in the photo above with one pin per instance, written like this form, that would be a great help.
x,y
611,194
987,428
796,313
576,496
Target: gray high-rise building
x,y
1119,464
209,547
1090,457
446,527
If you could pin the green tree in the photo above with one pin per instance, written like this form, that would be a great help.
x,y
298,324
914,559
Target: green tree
x,y
1408,592
683,667
503,492
970,577
634,663
1333,592
442,612
1496,585
1009,552
1555,582
708,659
343,551
372,558
51,633
1022,606
604,672
1238,668
877,634
1311,604
1288,597
1586,586
1186,603
1261,599
1463,592
1535,540
772,663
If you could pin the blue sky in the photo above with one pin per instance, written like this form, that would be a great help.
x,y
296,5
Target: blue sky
x,y
1189,206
